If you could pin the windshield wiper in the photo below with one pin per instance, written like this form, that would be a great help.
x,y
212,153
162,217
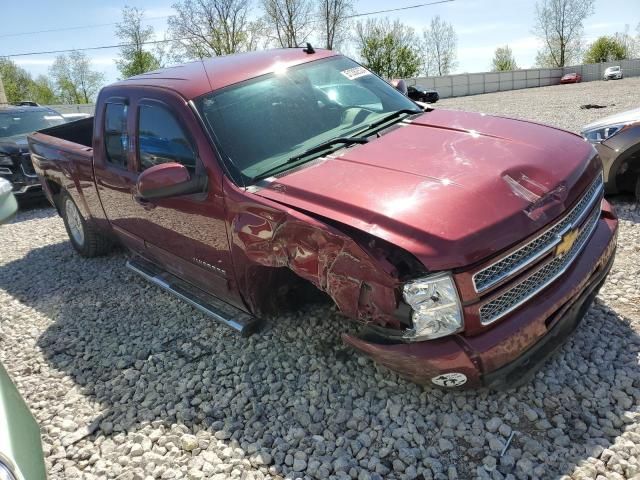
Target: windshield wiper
x,y
307,153
388,118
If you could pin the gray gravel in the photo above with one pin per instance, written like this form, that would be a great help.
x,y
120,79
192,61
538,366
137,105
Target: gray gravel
x,y
129,383
558,105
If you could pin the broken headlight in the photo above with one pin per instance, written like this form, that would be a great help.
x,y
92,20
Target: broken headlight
x,y
600,134
436,307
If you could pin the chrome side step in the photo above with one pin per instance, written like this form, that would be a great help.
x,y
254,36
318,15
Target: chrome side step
x,y
243,323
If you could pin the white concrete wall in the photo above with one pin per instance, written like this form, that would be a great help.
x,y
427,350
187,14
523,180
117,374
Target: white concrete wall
x,y
487,82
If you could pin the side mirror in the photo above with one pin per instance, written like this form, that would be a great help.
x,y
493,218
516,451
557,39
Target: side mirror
x,y
169,180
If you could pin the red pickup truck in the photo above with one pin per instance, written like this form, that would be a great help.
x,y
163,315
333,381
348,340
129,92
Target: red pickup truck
x,y
468,246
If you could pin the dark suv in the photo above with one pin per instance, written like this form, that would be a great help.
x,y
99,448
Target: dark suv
x,y
16,122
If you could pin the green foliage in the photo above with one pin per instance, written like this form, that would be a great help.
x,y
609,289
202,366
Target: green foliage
x,y
43,91
605,49
73,78
503,60
19,85
139,62
390,50
134,59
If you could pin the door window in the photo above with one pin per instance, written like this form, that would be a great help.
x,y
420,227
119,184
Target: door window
x,y
116,138
161,139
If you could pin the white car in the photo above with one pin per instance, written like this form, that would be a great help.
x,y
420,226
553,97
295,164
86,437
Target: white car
x,y
613,73
8,208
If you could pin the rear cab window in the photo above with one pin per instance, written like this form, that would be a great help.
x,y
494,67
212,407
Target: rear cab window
x,y
116,138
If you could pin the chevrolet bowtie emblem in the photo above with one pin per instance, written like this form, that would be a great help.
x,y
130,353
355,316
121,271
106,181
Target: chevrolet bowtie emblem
x,y
567,241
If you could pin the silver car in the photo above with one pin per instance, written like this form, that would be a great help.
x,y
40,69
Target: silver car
x,y
613,73
617,139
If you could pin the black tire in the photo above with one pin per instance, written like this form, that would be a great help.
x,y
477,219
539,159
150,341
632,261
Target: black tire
x,y
84,237
637,192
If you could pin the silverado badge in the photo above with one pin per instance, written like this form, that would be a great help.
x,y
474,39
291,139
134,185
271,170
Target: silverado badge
x,y
567,241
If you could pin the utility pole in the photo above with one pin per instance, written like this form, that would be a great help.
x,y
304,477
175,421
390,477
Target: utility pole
x,y
3,96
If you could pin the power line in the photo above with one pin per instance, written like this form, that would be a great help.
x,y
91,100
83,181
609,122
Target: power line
x,y
78,27
101,47
153,42
399,8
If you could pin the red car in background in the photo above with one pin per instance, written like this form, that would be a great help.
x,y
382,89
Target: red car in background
x,y
571,78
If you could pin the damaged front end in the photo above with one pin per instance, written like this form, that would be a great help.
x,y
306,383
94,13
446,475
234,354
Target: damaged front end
x,y
368,279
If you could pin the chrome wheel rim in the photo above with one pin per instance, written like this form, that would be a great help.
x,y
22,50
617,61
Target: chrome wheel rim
x,y
75,222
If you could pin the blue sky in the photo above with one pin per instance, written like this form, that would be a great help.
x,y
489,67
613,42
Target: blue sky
x,y
481,25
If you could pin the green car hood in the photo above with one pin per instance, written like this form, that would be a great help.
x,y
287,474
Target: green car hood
x,y
20,446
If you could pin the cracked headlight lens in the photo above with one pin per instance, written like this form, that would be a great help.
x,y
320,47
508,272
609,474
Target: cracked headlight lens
x,y
436,307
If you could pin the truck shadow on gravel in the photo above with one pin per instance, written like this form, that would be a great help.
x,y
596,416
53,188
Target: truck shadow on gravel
x,y
152,362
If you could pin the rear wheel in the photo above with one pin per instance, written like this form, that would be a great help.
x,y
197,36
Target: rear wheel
x,y
86,240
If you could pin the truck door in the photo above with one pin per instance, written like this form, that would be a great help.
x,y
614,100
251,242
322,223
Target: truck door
x,y
114,168
184,234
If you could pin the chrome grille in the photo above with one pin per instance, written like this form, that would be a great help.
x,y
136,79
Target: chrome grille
x,y
543,277
539,246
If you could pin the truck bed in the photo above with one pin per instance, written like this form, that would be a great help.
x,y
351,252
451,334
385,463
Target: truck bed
x,y
63,158
63,143
79,131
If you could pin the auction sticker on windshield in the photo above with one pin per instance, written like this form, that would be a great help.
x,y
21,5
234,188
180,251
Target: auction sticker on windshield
x,y
355,72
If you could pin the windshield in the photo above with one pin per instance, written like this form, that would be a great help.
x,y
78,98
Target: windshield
x,y
24,122
261,123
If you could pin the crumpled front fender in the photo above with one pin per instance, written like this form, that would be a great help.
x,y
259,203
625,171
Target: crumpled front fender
x,y
268,234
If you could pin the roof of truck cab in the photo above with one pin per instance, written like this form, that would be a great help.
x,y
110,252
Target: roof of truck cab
x,y
199,77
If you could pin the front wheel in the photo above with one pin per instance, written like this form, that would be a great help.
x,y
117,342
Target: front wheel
x,y
86,240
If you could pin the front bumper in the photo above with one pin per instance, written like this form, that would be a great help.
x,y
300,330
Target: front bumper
x,y
506,355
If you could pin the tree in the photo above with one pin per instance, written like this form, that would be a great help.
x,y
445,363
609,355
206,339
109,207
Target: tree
x,y
440,44
42,91
334,15
74,80
605,49
630,44
559,24
289,21
388,49
207,28
16,81
134,59
19,85
503,60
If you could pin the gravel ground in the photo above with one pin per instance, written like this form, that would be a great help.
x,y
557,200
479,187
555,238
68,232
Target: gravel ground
x,y
129,383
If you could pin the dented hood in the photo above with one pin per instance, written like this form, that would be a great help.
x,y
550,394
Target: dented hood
x,y
450,187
